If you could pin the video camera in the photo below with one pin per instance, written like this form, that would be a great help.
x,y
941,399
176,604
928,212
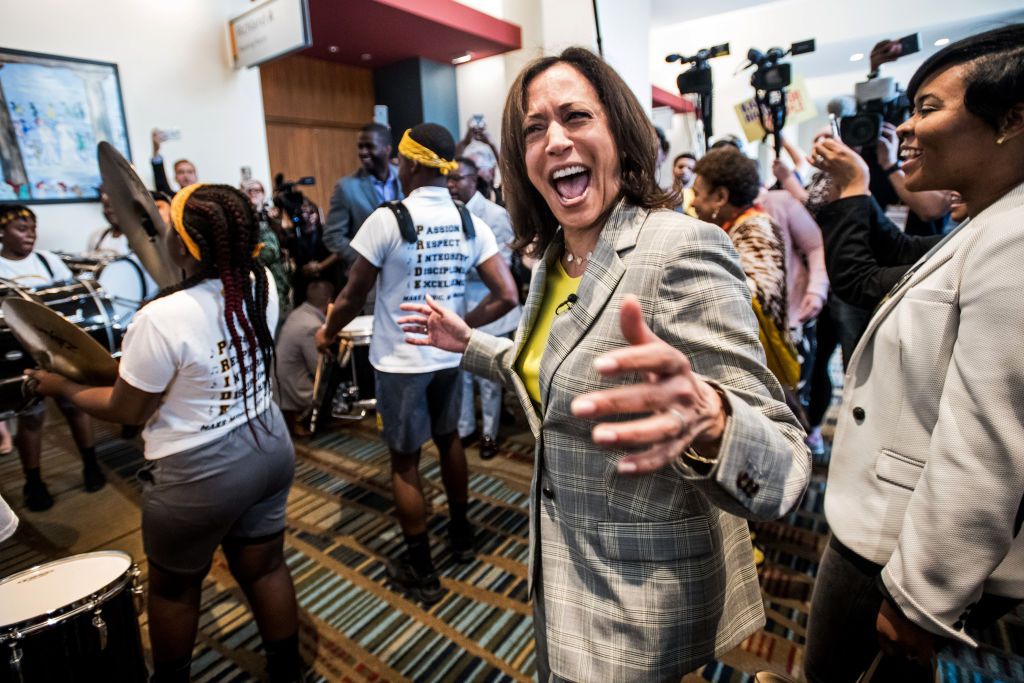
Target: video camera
x,y
770,79
697,80
878,100
288,199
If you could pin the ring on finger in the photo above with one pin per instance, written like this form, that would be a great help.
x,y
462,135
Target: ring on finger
x,y
683,422
818,159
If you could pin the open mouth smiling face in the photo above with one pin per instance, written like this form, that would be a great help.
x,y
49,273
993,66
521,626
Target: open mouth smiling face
x,y
571,156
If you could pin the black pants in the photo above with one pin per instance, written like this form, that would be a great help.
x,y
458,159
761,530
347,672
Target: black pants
x,y
841,637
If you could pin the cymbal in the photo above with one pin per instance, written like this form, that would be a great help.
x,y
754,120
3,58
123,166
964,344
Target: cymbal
x,y
57,344
137,215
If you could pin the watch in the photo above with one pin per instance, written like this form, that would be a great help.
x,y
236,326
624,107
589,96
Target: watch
x,y
895,167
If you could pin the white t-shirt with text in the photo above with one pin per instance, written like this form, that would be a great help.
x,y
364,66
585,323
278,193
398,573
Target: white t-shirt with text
x,y
179,346
435,264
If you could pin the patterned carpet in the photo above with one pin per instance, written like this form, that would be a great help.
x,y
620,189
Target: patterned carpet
x,y
355,628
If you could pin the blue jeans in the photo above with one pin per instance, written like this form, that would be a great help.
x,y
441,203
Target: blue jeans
x,y
490,405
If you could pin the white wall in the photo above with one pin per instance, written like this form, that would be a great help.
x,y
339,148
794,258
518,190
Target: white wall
x,y
175,73
548,27
625,37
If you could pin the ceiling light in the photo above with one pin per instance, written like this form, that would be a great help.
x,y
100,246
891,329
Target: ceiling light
x,y
463,59
856,56
941,41
366,56
332,48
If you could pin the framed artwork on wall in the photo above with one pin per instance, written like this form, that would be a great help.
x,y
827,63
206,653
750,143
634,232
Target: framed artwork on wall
x,y
53,112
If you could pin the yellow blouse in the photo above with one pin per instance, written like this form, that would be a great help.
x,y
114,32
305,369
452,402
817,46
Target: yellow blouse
x,y
558,285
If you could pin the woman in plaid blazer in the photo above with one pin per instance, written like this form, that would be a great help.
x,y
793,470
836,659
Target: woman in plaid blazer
x,y
640,562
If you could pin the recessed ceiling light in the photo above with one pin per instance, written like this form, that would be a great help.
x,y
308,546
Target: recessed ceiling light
x,y
463,59
366,56
941,41
332,48
856,56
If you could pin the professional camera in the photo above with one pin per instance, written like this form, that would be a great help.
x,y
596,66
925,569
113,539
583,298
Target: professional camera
x,y
878,100
770,79
697,80
290,200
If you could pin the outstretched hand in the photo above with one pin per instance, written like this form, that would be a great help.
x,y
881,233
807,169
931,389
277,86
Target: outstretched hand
x,y
685,410
435,326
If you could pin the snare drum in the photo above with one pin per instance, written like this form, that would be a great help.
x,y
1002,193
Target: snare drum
x,y
122,278
356,392
81,302
72,620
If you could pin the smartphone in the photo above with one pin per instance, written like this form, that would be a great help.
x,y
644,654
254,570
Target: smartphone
x,y
833,122
169,134
477,121
909,45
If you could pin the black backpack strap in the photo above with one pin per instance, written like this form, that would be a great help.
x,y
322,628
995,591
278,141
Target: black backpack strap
x,y
46,264
404,218
467,220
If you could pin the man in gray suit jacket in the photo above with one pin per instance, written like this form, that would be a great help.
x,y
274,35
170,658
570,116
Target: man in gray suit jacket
x,y
358,195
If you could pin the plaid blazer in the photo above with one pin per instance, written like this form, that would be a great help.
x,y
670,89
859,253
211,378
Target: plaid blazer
x,y
648,577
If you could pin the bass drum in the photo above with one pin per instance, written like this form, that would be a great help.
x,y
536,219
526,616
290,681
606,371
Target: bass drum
x,y
127,286
73,620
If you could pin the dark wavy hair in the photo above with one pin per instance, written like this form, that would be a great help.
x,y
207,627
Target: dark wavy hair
x,y
635,138
730,168
221,221
995,71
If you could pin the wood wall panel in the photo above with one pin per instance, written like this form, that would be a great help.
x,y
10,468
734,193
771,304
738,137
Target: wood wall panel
x,y
312,90
301,150
314,110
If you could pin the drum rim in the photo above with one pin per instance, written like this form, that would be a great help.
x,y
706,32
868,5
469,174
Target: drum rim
x,y
20,629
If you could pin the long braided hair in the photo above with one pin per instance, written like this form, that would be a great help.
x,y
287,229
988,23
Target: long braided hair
x,y
221,222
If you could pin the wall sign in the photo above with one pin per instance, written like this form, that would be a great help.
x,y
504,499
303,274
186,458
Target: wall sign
x,y
274,29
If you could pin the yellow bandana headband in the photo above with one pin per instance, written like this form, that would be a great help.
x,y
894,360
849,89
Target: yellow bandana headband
x,y
15,215
178,219
414,151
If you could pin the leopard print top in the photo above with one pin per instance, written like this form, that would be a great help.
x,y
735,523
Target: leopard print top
x,y
762,252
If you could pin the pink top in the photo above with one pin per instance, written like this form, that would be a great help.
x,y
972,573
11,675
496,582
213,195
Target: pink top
x,y
805,250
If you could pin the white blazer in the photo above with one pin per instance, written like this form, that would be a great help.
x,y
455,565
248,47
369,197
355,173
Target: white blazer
x,y
927,467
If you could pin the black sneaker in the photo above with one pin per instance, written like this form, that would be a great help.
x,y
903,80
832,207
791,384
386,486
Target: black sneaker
x,y
463,544
94,478
37,497
488,448
425,588
470,439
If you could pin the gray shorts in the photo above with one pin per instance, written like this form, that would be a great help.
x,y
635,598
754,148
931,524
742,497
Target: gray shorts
x,y
415,407
233,488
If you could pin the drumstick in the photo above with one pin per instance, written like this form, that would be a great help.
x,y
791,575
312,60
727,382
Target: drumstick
x,y
321,363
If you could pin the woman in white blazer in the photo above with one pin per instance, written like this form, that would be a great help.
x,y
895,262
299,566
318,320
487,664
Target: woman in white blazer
x,y
924,490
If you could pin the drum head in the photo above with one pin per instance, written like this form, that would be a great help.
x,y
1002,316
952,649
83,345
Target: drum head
x,y
36,592
361,327
126,284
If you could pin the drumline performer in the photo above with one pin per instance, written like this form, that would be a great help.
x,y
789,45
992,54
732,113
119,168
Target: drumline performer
x,y
196,369
25,266
418,388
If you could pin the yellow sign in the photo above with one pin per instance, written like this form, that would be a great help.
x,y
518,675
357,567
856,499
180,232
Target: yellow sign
x,y
799,108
